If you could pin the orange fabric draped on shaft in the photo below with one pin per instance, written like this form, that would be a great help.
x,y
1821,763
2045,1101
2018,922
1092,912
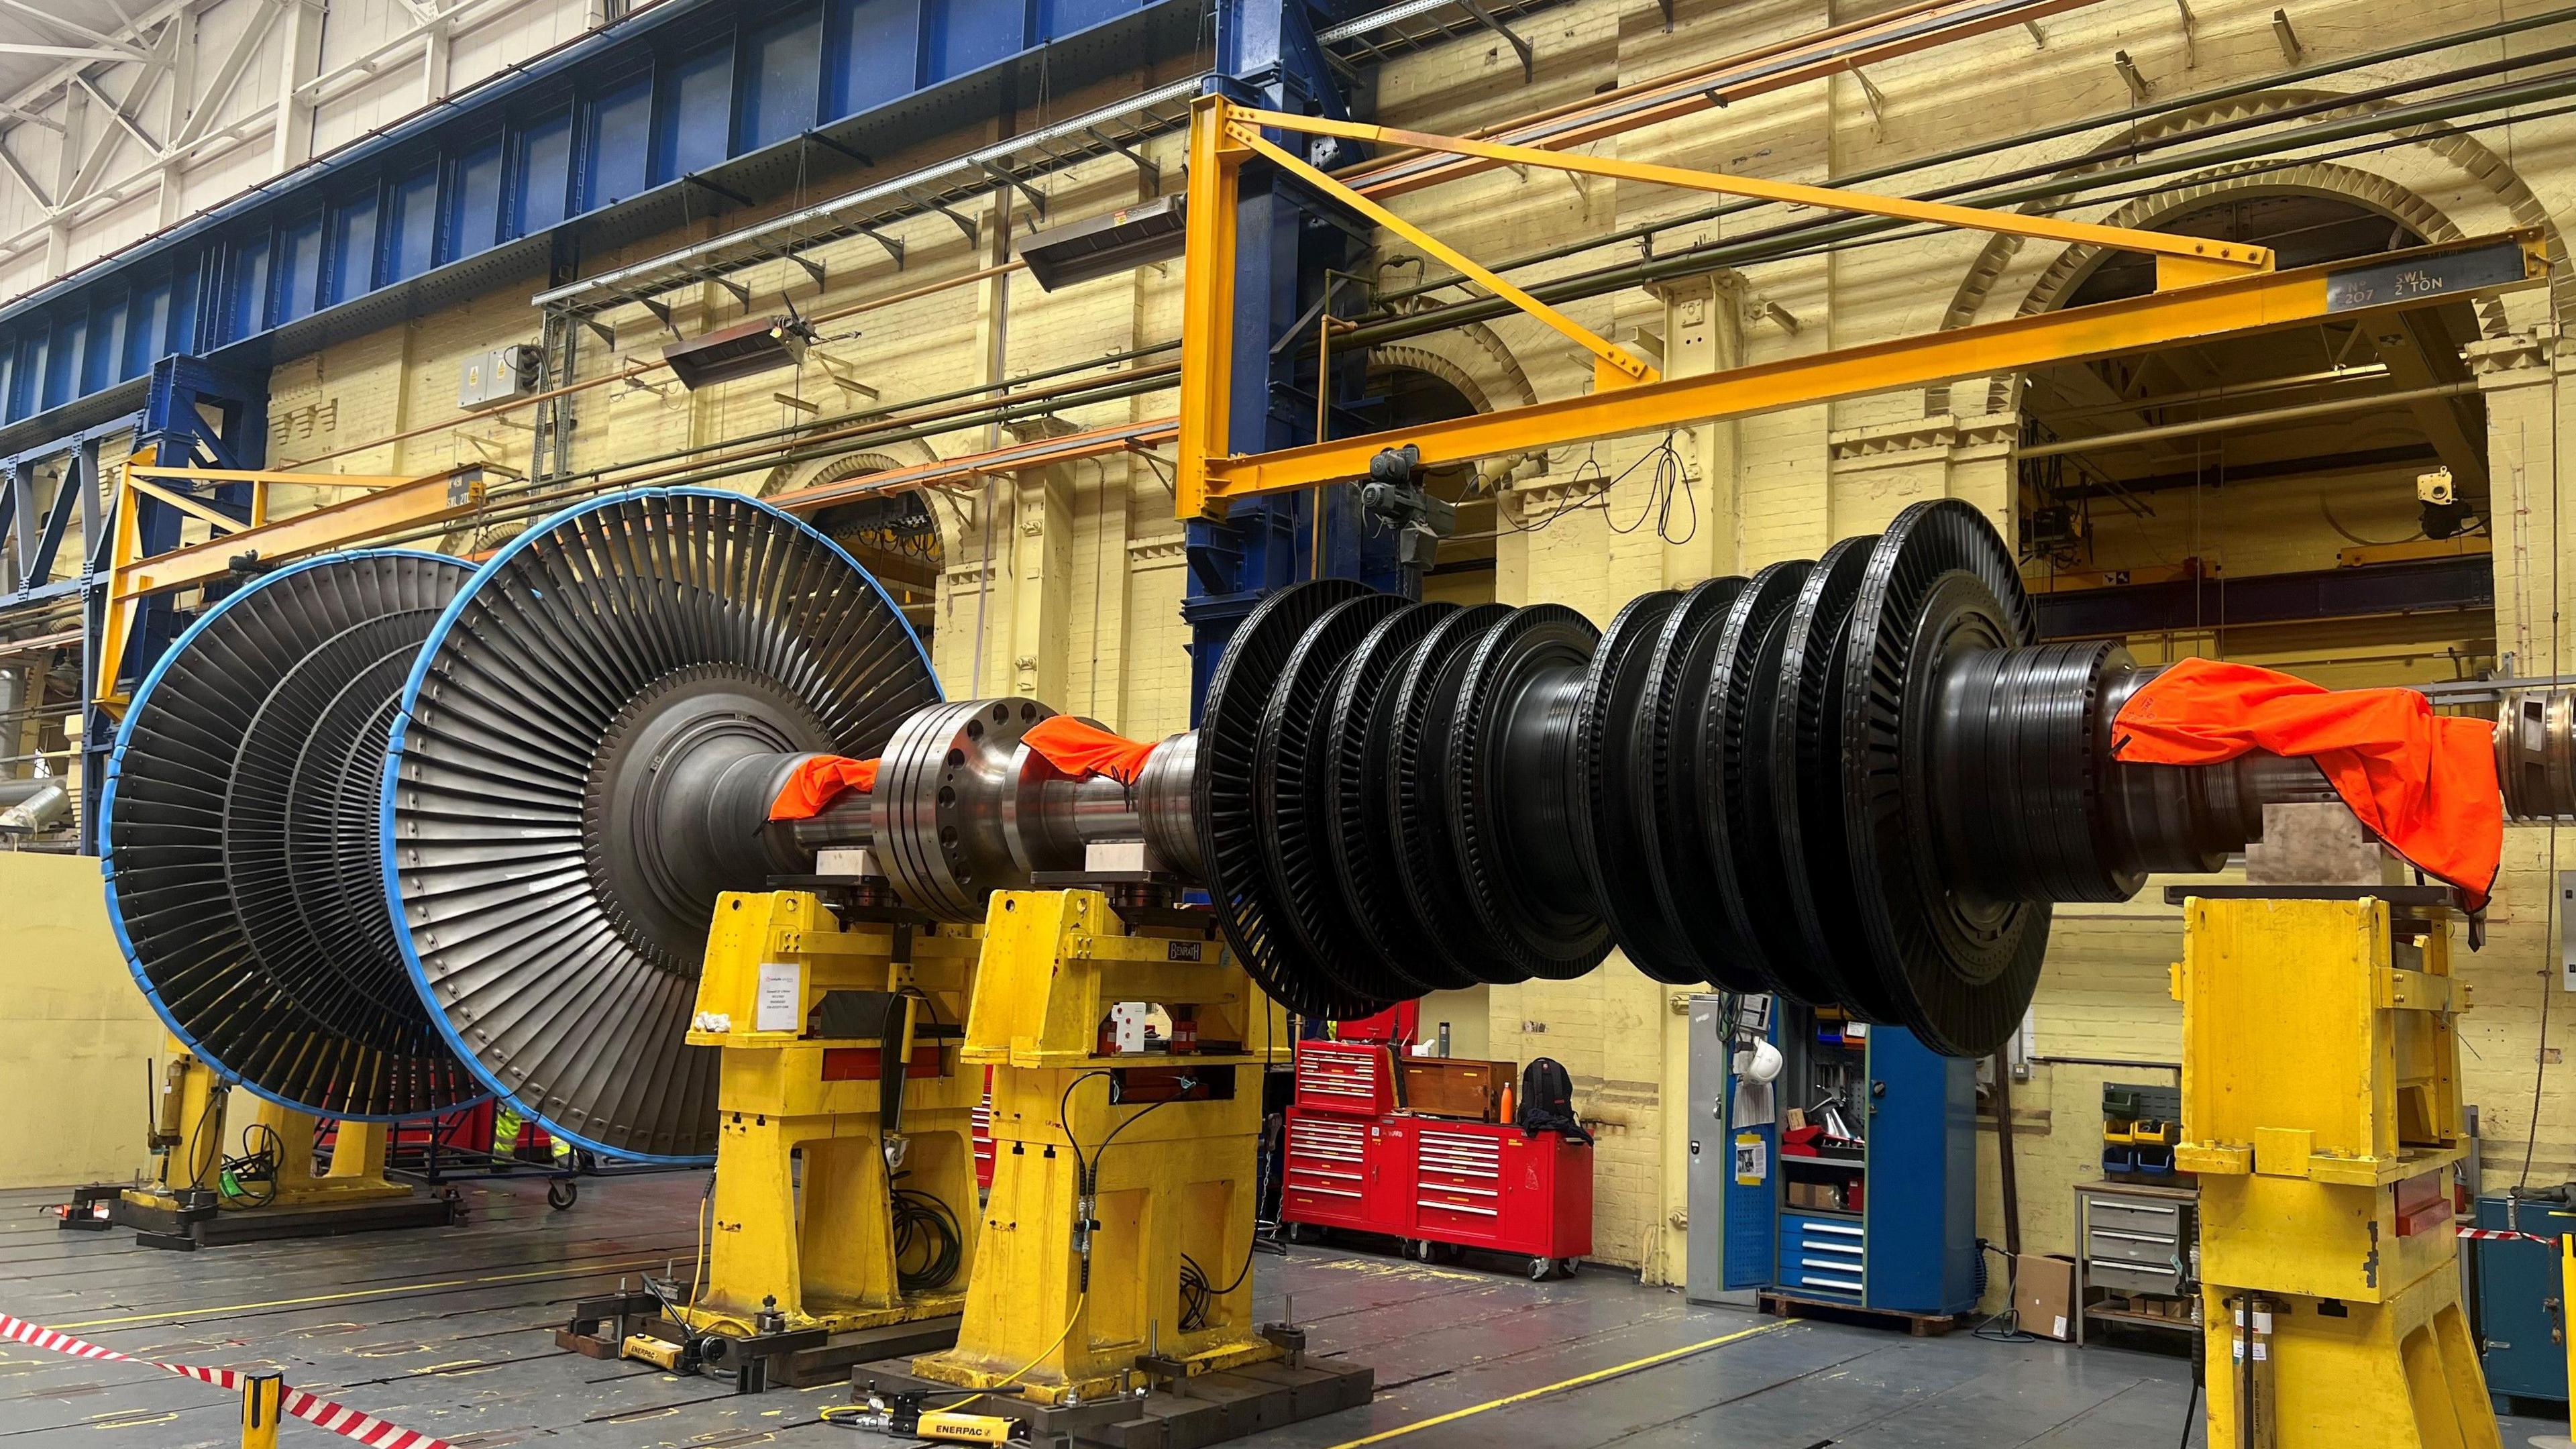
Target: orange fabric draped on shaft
x,y
1071,745
1079,747
819,781
2425,783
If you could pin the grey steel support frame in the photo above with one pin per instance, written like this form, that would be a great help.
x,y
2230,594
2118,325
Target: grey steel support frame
x,y
34,576
31,568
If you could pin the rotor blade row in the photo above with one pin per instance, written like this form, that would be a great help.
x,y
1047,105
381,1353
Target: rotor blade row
x,y
241,880
560,988
1734,783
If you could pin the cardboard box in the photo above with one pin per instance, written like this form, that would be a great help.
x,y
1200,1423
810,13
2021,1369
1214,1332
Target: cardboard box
x,y
2044,1294
1825,1195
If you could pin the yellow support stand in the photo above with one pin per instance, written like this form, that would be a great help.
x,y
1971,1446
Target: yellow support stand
x,y
194,1130
2321,1110
800,1234
1110,1170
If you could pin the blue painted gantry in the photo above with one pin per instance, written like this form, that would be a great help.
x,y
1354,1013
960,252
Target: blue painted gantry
x,y
692,107
696,105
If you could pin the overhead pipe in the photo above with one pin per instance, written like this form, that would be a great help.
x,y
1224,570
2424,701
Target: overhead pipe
x,y
2064,129
1766,245
46,805
2230,422
1714,84
527,505
2298,382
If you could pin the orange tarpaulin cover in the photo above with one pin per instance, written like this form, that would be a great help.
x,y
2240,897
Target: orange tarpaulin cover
x,y
2425,783
1071,745
1079,747
818,782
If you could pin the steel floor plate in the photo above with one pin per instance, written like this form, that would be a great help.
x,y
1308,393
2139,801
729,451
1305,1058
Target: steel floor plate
x,y
449,1332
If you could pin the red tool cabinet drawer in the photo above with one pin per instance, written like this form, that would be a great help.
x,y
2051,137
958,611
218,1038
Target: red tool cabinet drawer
x,y
1327,1179
1457,1184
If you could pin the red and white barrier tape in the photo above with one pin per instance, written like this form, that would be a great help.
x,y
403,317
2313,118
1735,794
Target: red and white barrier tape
x,y
338,1418
2498,1235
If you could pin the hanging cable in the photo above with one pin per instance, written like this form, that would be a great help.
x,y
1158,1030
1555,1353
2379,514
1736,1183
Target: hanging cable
x,y
924,1228
193,1170
1667,479
1198,1299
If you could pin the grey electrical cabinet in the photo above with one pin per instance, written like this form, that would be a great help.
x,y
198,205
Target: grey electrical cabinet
x,y
1704,1269
504,374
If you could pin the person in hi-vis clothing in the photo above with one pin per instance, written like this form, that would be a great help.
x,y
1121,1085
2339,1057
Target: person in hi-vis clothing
x,y
506,1126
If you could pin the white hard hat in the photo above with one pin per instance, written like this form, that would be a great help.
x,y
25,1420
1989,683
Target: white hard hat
x,y
1759,1062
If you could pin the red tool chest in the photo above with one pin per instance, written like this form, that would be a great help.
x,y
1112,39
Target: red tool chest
x,y
1490,1185
1354,1161
1353,1078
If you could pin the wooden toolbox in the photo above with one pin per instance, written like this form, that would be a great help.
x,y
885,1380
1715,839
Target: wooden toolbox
x,y
1459,1087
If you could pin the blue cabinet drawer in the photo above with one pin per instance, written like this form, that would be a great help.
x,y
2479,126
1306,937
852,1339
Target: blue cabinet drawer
x,y
1828,1280
1822,1255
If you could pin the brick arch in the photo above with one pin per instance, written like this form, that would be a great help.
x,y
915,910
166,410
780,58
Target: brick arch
x,y
2378,193
1473,359
1476,361
785,478
949,521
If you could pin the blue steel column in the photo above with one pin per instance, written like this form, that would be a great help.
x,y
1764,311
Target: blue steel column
x,y
1287,240
194,414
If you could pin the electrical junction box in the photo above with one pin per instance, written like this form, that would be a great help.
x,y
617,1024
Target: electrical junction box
x,y
504,374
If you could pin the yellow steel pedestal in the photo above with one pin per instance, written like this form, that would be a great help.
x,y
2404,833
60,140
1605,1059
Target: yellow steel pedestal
x,y
193,1130
1111,1172
2321,1107
800,1233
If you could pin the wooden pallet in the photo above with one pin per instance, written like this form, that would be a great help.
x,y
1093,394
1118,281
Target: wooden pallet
x,y
1920,1325
1210,1409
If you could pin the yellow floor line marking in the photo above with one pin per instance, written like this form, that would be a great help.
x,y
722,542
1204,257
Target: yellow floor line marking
x,y
1578,1381
145,1421
557,1271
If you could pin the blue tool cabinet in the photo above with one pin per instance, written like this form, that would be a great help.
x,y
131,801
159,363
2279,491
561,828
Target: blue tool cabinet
x,y
1908,1244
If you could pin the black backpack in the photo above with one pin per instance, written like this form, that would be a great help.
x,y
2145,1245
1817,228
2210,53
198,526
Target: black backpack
x,y
1547,1101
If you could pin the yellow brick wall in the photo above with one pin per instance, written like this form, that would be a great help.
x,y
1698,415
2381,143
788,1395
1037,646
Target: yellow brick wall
x,y
78,1031
1087,573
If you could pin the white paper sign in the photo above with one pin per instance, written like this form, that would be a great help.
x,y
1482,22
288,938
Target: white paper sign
x,y
1752,1163
782,997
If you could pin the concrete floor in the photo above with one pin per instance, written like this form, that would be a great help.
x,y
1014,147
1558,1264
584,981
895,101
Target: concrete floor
x,y
448,1333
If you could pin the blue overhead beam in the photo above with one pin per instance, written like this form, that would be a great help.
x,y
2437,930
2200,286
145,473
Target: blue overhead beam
x,y
1290,245
693,107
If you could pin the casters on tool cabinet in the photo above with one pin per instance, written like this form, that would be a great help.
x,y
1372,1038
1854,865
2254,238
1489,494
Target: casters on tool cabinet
x,y
562,1193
